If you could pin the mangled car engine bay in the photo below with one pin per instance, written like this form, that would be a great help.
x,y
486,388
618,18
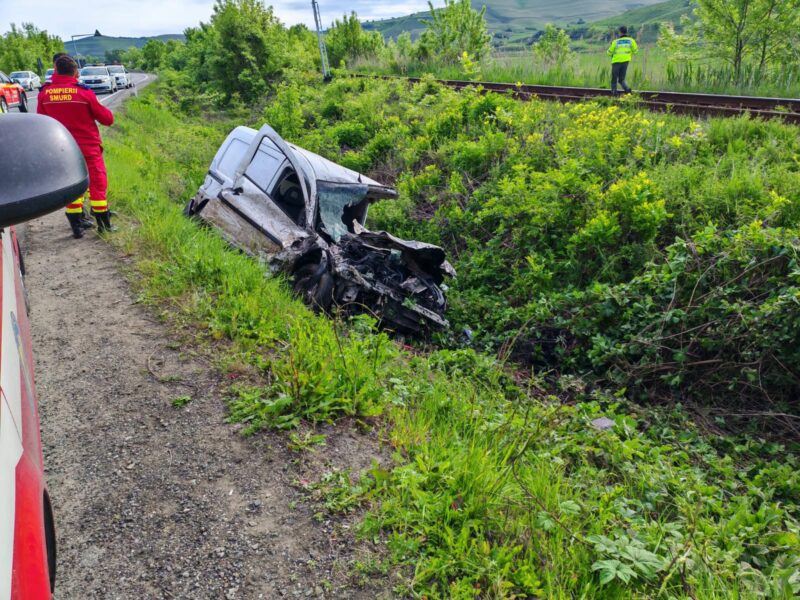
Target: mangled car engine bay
x,y
304,215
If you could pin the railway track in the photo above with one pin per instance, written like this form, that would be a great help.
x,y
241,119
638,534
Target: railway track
x,y
786,109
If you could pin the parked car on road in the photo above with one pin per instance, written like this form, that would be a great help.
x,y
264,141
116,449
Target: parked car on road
x,y
12,95
121,76
305,215
48,75
98,79
27,79
47,172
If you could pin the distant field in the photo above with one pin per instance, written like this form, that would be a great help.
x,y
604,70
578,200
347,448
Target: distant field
x,y
520,15
663,12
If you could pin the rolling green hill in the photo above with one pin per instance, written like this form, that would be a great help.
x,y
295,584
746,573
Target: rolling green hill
x,y
670,11
97,45
522,15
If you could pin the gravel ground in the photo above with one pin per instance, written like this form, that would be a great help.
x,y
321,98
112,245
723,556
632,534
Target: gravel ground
x,y
153,501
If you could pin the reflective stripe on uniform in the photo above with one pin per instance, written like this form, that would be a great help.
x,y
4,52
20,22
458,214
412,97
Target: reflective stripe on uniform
x,y
99,205
622,49
75,207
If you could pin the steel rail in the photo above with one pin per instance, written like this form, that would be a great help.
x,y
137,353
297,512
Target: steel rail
x,y
787,109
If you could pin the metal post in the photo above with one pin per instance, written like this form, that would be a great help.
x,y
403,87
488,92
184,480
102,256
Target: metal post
x,y
75,45
323,51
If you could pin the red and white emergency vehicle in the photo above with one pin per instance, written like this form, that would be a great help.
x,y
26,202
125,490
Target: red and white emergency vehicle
x,y
12,95
43,170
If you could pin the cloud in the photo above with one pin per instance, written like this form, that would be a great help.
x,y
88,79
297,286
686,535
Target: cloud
x,y
152,17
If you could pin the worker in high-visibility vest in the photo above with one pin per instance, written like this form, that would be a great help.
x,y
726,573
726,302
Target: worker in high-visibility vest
x,y
621,52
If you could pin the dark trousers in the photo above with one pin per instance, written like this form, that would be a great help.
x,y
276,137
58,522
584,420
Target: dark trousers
x,y
618,72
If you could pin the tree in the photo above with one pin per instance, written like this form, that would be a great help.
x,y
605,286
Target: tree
x,y
20,47
132,57
152,55
453,30
738,32
777,35
347,40
553,47
249,48
114,56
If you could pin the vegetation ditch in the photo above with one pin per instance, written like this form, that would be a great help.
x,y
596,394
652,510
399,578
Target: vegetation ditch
x,y
504,484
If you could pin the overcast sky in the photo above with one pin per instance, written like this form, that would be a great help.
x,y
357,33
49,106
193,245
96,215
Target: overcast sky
x,y
153,17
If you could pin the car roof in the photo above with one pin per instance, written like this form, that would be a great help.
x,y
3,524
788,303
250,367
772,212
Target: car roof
x,y
322,168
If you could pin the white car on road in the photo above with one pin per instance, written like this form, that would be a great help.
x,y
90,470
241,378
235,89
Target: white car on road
x,y
27,79
122,76
98,79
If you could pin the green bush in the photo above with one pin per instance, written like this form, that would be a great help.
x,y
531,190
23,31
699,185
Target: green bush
x,y
500,485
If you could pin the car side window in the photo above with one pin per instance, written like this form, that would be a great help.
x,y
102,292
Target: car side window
x,y
265,165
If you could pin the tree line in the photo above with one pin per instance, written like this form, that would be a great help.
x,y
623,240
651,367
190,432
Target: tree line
x,y
23,47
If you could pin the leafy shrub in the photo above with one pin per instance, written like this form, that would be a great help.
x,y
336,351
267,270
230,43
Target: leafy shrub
x,y
500,487
566,224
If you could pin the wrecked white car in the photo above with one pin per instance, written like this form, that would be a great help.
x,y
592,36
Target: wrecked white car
x,y
305,215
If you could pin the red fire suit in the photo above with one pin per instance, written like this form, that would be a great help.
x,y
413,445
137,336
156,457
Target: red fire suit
x,y
77,108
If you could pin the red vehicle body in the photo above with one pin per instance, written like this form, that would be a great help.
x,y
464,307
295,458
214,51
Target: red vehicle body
x,y
12,95
27,534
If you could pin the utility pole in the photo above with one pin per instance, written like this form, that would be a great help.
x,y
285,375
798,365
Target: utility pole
x,y
75,43
323,51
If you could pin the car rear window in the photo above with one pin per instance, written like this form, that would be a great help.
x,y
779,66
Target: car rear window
x,y
231,157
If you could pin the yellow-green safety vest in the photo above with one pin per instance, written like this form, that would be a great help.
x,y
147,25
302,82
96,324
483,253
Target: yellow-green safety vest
x,y
622,49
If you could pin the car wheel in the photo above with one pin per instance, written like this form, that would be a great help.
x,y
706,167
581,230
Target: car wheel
x,y
314,284
3,106
23,103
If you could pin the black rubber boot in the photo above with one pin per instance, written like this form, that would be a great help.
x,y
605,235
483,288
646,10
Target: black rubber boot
x,y
85,221
75,223
104,222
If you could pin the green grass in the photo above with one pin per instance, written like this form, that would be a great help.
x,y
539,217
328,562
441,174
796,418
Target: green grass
x,y
498,489
651,69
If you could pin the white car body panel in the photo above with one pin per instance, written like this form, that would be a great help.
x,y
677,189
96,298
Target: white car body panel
x,y
10,417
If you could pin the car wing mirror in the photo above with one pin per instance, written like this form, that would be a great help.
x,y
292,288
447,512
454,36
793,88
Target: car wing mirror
x,y
41,167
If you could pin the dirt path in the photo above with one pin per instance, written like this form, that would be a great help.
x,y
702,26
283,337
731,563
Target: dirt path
x,y
152,501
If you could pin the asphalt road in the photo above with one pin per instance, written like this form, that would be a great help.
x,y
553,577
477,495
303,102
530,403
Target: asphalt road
x,y
111,100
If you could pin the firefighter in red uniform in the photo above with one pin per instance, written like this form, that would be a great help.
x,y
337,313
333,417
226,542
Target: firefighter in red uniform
x,y
77,108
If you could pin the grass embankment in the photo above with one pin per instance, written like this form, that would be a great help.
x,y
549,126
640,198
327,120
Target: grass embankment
x,y
499,489
650,70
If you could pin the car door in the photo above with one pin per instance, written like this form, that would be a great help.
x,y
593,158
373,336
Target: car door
x,y
10,89
24,567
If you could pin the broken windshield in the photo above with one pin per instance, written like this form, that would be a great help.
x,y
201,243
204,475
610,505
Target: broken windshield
x,y
334,200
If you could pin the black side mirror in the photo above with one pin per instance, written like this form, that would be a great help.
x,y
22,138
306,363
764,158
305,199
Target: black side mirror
x,y
41,167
